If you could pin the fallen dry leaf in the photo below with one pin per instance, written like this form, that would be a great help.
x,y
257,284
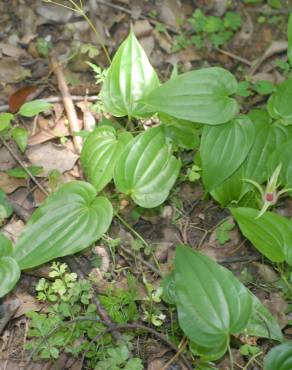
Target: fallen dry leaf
x,y
51,157
11,71
13,229
277,306
142,28
10,184
6,159
54,13
12,51
19,97
46,134
88,118
27,303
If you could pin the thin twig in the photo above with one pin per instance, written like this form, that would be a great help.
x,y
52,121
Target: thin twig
x,y
234,56
68,103
15,156
140,259
180,350
239,259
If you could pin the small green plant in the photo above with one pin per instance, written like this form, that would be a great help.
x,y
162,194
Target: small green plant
x,y
69,303
20,134
223,232
212,29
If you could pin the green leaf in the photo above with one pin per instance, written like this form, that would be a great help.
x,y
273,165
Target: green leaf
x,y
20,136
33,108
5,119
278,103
182,133
230,190
264,87
100,153
279,358
290,39
262,323
201,96
268,137
6,209
212,304
168,286
282,155
68,221
224,148
9,274
130,78
20,173
147,170
271,234
6,247
223,232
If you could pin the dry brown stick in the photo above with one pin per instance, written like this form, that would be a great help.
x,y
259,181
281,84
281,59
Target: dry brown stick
x,y
67,100
15,156
180,350
234,56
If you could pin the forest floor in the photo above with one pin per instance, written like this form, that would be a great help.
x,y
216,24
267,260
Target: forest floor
x,y
139,253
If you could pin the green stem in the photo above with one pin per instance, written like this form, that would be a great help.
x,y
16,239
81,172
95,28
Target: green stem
x,y
134,232
79,9
230,357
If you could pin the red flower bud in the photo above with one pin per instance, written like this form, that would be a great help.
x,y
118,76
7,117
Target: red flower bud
x,y
269,197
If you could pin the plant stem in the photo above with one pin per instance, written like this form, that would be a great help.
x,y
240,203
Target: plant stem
x,y
133,231
79,9
230,357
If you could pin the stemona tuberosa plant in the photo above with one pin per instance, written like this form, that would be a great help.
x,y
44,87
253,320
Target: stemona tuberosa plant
x,y
244,159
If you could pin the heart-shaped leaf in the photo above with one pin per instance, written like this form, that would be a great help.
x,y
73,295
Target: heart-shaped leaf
x,y
262,323
278,106
282,155
212,304
100,153
224,148
201,96
6,247
147,170
271,234
9,274
129,78
68,221
279,358
231,189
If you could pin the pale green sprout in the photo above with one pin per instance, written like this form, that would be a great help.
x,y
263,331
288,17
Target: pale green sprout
x,y
269,194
